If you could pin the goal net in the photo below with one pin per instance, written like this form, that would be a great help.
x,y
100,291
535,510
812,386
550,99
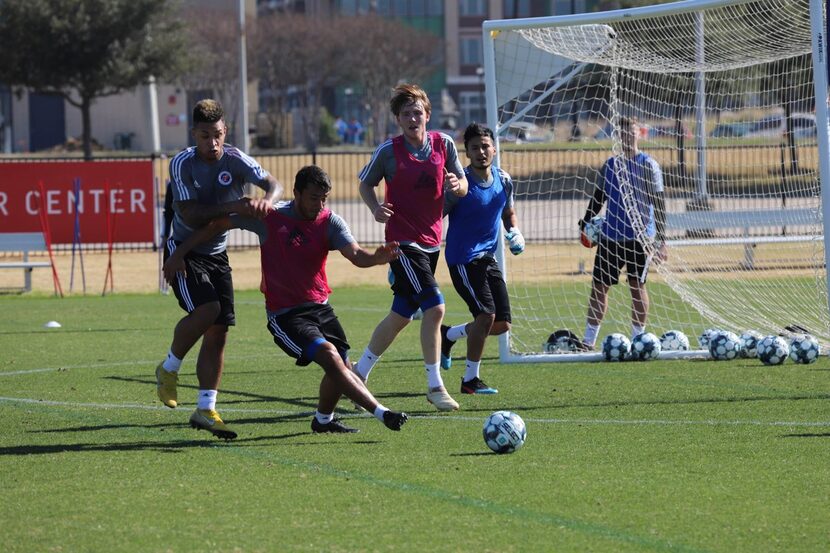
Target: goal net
x,y
725,96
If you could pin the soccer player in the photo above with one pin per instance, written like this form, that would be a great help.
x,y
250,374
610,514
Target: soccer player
x,y
628,234
472,238
418,166
207,182
295,240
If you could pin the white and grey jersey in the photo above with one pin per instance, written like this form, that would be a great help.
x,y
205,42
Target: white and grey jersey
x,y
223,181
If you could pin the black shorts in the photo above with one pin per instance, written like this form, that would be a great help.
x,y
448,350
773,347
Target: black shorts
x,y
301,331
208,279
481,285
611,256
414,274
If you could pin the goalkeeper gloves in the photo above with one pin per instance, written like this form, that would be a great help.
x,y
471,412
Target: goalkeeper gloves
x,y
583,238
515,240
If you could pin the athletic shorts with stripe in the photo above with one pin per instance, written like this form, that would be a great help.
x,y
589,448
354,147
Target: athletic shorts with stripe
x,y
208,279
481,285
611,256
414,274
301,331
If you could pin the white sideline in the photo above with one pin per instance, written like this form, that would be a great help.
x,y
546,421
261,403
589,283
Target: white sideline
x,y
643,422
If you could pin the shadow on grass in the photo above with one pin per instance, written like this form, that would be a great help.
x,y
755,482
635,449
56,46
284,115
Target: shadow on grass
x,y
810,435
309,403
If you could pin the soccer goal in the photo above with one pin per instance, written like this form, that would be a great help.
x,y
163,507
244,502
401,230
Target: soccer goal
x,y
731,99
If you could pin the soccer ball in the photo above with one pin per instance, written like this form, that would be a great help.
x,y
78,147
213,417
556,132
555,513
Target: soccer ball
x,y
645,346
593,228
773,350
504,432
674,340
749,343
615,347
724,345
707,335
804,349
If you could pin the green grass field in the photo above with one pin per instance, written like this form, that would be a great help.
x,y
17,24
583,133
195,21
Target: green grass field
x,y
662,456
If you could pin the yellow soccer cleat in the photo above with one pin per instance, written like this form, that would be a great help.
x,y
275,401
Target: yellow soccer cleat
x,y
166,386
441,399
208,419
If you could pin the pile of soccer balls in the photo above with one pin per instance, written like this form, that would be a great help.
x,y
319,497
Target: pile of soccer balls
x,y
771,350
722,345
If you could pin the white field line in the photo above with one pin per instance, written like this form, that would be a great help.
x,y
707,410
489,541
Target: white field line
x,y
461,418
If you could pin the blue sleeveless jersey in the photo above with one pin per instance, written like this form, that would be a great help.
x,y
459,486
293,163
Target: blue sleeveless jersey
x,y
474,219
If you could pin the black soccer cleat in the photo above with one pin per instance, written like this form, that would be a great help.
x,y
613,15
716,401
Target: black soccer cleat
x,y
446,348
335,426
394,421
476,386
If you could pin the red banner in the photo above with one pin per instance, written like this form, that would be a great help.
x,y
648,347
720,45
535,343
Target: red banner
x,y
121,190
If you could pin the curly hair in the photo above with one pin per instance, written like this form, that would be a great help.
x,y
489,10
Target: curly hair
x,y
208,111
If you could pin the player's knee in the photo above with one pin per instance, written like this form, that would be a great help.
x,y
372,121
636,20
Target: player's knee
x,y
430,299
499,327
207,312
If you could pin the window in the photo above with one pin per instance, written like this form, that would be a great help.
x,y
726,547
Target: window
x,y
473,8
472,51
516,8
472,107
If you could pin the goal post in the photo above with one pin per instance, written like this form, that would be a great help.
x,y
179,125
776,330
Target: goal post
x,y
731,99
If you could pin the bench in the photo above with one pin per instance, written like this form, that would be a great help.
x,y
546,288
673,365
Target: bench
x,y
744,220
24,242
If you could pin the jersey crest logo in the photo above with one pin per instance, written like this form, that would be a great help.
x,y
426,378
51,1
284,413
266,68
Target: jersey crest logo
x,y
296,238
225,178
196,184
425,180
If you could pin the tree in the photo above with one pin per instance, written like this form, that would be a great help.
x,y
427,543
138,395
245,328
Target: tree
x,y
215,36
377,62
86,49
299,58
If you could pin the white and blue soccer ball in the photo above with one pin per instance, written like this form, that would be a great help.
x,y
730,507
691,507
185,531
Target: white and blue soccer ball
x,y
749,343
504,432
804,349
616,347
674,340
704,339
724,345
593,228
773,350
645,346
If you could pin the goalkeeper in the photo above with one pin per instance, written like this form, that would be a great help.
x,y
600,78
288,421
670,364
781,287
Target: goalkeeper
x,y
472,238
632,234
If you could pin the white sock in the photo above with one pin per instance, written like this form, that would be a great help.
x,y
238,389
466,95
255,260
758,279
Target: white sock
x,y
457,332
207,399
172,364
379,411
322,418
366,363
471,371
636,329
434,379
591,333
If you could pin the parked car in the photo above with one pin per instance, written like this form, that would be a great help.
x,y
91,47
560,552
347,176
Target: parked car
x,y
803,126
668,130
526,132
735,129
